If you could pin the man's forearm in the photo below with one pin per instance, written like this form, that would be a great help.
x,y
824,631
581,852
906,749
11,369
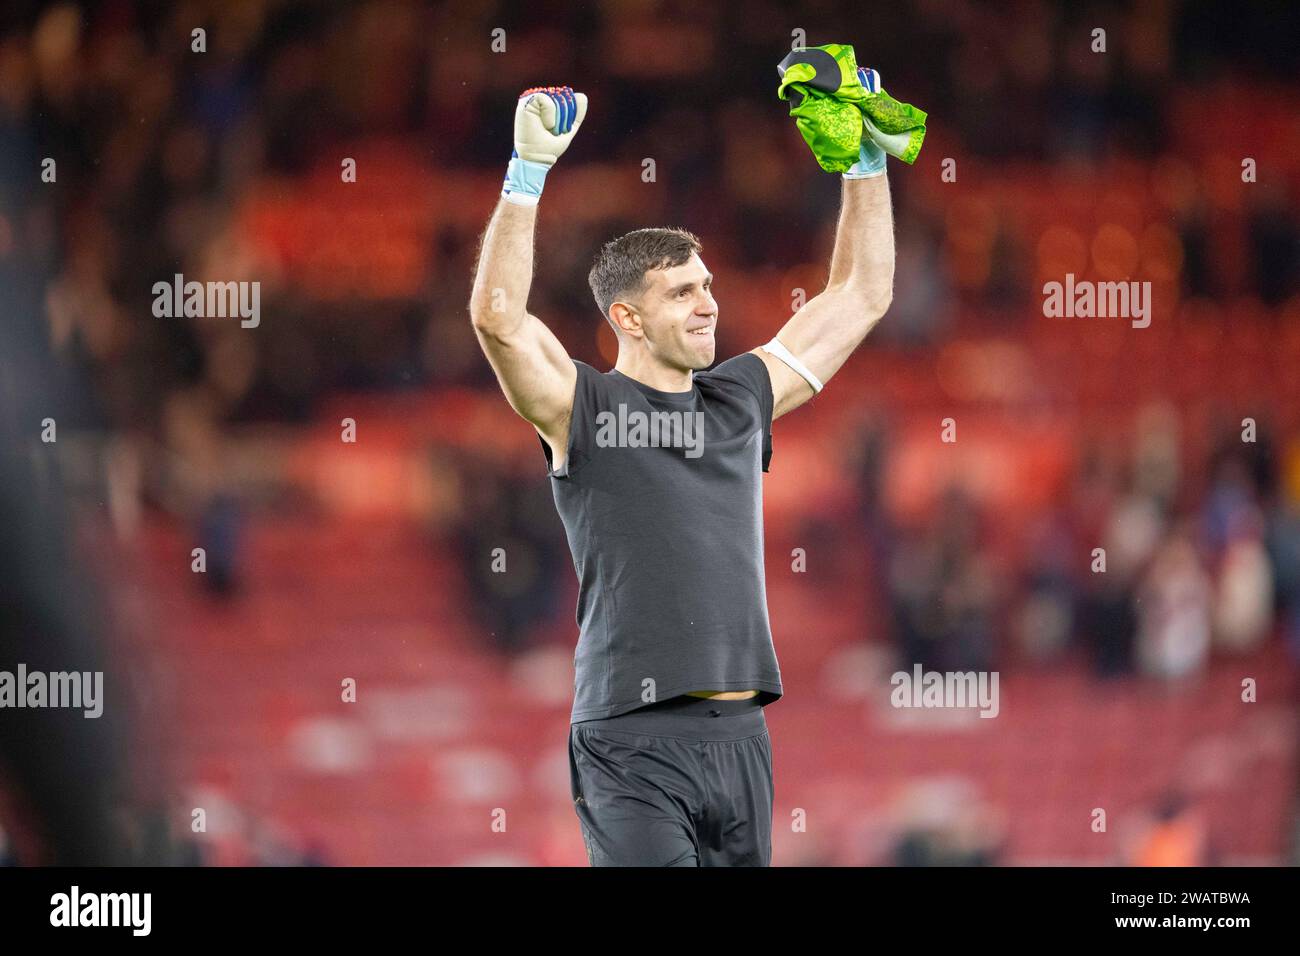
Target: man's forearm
x,y
863,261
505,268
824,333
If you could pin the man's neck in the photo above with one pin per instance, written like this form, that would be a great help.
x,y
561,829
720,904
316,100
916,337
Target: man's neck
x,y
648,372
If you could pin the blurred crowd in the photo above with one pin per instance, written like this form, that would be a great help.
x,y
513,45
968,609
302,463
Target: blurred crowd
x,y
1146,565
160,150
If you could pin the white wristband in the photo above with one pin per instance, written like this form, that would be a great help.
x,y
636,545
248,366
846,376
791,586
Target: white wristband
x,y
786,356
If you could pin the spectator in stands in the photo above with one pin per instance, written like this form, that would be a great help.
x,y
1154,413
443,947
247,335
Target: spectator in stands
x,y
1243,601
1284,559
508,541
1174,610
1175,834
943,594
1049,599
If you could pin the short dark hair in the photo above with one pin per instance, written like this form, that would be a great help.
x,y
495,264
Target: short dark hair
x,y
621,265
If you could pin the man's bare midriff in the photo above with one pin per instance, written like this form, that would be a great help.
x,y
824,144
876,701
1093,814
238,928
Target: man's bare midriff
x,y
723,694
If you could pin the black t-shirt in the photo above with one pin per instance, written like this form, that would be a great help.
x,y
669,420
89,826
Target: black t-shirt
x,y
661,496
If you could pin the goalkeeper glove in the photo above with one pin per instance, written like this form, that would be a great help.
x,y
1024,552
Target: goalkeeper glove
x,y
871,158
904,122
546,119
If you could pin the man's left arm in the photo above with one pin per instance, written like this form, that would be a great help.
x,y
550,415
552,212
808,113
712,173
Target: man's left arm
x,y
824,333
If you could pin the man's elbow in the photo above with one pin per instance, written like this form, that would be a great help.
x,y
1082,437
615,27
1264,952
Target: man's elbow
x,y
480,317
877,304
868,299
493,310
487,304
480,301
495,323
486,315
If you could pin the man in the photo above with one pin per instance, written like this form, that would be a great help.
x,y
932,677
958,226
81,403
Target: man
x,y
656,471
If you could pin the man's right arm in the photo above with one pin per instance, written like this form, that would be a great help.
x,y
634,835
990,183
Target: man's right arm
x,y
534,370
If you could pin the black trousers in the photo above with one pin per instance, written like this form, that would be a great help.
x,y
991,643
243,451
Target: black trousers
x,y
684,782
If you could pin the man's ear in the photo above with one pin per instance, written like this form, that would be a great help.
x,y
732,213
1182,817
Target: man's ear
x,y
626,318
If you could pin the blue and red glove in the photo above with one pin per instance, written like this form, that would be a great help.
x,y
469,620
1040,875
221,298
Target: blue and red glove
x,y
546,119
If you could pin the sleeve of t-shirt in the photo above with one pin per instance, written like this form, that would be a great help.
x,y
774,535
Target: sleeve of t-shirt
x,y
750,371
587,392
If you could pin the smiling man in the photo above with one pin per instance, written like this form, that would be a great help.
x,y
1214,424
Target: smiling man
x,y
670,759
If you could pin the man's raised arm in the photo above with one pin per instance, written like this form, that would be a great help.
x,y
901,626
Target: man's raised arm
x,y
820,337
824,333
532,366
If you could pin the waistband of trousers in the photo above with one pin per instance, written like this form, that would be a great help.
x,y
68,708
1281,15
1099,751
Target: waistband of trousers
x,y
698,718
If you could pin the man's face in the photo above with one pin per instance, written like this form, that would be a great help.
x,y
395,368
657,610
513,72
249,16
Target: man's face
x,y
679,315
